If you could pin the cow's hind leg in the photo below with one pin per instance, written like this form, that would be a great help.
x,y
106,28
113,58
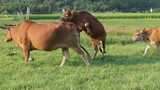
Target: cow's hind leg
x,y
80,51
85,51
65,52
84,57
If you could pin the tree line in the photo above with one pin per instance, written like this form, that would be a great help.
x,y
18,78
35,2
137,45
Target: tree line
x,y
50,6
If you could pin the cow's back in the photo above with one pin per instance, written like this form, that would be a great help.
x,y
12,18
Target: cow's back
x,y
95,26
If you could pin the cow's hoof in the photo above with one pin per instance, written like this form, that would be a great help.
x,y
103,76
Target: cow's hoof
x,y
26,62
31,59
61,65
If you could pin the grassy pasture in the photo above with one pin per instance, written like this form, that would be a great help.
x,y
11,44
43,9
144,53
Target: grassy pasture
x,y
124,67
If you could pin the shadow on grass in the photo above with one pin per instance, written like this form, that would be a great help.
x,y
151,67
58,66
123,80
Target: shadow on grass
x,y
133,59
124,40
119,60
126,60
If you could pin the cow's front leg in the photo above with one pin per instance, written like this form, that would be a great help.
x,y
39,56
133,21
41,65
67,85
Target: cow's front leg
x,y
26,54
146,49
65,52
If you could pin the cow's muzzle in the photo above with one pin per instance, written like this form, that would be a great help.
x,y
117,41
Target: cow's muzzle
x,y
7,40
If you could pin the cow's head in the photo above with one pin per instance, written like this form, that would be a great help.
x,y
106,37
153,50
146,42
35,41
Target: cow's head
x,y
8,30
141,35
67,15
8,35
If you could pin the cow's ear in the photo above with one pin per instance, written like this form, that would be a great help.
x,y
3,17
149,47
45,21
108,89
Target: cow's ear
x,y
73,12
9,25
143,30
5,28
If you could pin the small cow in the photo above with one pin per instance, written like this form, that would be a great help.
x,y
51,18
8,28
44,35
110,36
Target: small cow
x,y
47,36
90,25
151,37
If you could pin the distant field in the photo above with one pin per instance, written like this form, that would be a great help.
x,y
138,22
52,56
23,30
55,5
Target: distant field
x,y
98,15
123,68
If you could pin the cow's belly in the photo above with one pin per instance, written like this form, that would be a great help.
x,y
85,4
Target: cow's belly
x,y
52,41
50,47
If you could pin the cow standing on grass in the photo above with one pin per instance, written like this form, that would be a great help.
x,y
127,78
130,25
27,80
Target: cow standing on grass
x,y
151,37
90,25
47,36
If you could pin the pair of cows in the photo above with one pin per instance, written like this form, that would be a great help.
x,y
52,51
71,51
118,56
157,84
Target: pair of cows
x,y
30,35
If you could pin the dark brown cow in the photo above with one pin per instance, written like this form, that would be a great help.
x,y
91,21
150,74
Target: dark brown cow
x,y
90,25
47,36
150,36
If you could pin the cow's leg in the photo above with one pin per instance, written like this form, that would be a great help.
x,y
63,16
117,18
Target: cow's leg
x,y
85,51
146,49
100,47
95,45
83,55
26,53
65,56
95,52
103,45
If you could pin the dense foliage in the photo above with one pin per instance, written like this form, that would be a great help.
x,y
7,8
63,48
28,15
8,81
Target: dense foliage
x,y
49,6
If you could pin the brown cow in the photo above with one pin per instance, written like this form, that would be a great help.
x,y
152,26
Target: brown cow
x,y
90,25
151,37
47,36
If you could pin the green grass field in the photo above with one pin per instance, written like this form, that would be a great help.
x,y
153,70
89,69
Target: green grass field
x,y
123,68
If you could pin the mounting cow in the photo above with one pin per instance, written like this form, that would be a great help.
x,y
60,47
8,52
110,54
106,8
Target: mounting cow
x,y
90,25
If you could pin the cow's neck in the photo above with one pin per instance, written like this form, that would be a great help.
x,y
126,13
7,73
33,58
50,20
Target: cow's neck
x,y
148,34
13,35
